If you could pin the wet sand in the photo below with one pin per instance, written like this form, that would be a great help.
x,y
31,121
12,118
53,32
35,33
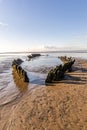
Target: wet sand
x,y
60,106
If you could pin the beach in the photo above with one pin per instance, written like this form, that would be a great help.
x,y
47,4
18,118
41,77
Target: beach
x,y
59,106
43,65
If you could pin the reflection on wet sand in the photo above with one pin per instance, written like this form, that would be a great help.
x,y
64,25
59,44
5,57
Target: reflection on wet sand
x,y
19,81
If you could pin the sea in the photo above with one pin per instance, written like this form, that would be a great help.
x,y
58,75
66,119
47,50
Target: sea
x,y
36,69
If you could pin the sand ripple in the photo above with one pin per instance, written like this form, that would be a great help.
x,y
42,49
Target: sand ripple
x,y
51,108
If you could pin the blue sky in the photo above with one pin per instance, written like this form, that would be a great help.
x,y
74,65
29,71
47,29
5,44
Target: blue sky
x,y
30,25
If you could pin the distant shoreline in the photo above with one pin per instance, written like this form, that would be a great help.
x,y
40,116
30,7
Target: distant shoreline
x,y
74,51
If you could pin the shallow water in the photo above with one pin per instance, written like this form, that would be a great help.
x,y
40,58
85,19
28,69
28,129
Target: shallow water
x,y
37,70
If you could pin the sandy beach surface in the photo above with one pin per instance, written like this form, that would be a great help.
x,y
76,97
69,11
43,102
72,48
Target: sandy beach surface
x,y
60,106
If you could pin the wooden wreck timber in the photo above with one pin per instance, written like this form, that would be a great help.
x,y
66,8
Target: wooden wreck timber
x,y
65,58
33,55
57,73
50,76
18,62
18,69
68,66
25,77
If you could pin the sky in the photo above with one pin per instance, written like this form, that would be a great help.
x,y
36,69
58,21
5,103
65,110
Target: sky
x,y
43,25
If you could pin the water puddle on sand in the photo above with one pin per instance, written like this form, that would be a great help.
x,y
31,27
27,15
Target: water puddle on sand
x,y
38,68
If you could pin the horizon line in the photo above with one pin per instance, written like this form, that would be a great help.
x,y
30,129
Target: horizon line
x,y
63,51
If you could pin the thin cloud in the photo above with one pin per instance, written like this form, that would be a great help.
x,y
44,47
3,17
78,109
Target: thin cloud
x,y
51,47
3,24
